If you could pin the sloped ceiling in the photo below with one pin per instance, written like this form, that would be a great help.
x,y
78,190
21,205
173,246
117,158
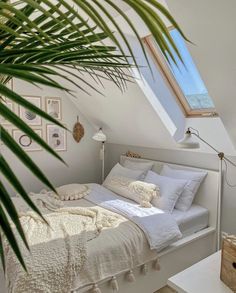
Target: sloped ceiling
x,y
146,114
126,118
211,26
138,116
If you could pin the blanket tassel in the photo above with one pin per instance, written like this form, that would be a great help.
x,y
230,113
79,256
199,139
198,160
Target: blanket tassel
x,y
156,265
96,289
144,269
130,276
114,284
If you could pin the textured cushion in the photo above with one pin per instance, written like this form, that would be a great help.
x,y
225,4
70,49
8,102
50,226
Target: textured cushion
x,y
135,165
138,191
194,180
72,191
119,170
170,190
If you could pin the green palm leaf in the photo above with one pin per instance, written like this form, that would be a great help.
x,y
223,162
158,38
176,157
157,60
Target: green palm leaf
x,y
43,39
7,230
1,251
9,206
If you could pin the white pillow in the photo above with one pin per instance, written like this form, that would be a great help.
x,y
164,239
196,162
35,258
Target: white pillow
x,y
135,165
119,170
170,190
72,191
194,180
139,191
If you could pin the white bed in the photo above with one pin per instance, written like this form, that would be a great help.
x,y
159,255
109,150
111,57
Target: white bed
x,y
198,228
186,251
193,220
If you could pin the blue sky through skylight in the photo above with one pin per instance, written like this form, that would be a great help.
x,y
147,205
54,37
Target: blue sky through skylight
x,y
188,77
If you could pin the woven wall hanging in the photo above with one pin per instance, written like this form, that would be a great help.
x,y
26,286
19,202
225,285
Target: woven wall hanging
x,y
78,131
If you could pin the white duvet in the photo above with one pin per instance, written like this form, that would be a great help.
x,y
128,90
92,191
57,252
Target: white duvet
x,y
132,240
58,251
159,227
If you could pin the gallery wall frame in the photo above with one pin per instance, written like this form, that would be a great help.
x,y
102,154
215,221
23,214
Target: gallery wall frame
x,y
53,107
56,137
29,117
25,142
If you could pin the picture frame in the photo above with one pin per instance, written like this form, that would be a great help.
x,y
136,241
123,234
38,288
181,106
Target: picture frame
x,y
53,107
11,107
25,142
29,117
56,137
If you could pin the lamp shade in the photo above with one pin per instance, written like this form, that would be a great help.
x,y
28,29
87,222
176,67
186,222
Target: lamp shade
x,y
100,136
188,142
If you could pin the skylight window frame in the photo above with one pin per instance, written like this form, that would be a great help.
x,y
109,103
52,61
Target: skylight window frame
x,y
172,82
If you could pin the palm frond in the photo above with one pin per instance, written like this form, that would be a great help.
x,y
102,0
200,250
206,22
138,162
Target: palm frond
x,y
43,39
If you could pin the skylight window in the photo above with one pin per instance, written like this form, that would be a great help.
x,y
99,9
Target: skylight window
x,y
185,81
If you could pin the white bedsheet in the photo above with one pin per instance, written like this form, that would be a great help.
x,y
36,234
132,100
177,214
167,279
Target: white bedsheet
x,y
159,227
193,220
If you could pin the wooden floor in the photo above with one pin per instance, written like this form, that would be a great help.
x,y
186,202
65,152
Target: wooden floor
x,y
165,289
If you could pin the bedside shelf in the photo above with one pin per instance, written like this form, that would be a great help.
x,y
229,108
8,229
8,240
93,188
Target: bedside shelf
x,y
203,277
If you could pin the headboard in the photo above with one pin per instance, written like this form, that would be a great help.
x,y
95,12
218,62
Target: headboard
x,y
207,195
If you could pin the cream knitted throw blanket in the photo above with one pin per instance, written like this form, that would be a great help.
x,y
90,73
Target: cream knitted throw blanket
x,y
58,250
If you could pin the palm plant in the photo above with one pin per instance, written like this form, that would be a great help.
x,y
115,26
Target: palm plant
x,y
43,39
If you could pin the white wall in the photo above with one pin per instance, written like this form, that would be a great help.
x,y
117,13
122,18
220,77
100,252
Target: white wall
x,y
212,130
82,159
201,160
211,26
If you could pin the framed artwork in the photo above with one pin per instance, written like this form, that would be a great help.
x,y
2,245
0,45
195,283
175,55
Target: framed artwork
x,y
53,107
10,106
30,117
25,141
56,137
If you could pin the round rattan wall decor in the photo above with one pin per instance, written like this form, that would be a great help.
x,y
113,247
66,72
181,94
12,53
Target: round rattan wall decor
x,y
78,131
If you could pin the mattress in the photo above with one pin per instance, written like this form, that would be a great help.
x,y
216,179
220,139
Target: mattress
x,y
193,220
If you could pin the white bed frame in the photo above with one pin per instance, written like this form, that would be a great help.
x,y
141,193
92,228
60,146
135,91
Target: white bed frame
x,y
179,255
182,253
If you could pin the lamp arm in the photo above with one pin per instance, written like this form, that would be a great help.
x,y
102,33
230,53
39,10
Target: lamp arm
x,y
203,140
220,154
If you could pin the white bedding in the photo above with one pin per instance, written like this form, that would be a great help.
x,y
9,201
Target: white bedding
x,y
58,251
160,228
114,250
193,220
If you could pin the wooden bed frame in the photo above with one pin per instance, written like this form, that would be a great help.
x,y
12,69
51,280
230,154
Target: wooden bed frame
x,y
177,256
